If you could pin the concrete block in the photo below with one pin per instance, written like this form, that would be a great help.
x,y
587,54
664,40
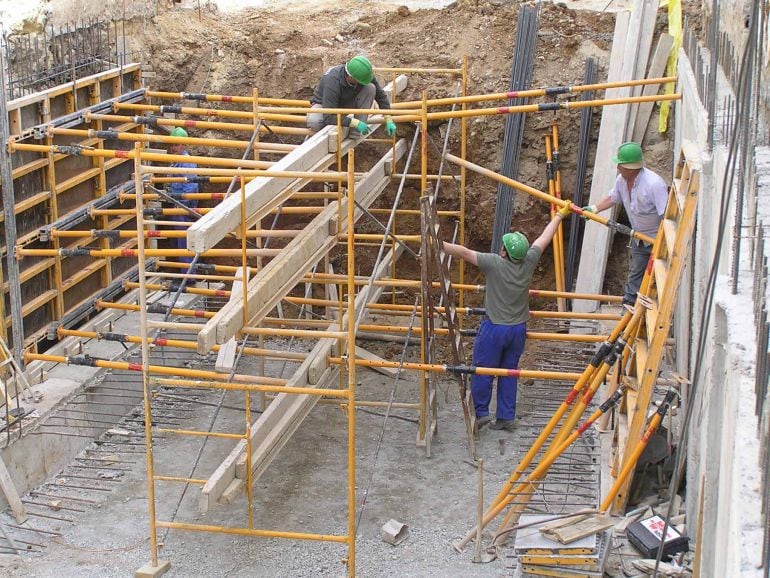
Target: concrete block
x,y
151,571
394,532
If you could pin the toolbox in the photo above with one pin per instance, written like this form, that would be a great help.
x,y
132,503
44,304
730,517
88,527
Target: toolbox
x,y
645,536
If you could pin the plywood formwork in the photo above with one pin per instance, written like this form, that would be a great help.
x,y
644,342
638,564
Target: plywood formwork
x,y
51,186
630,50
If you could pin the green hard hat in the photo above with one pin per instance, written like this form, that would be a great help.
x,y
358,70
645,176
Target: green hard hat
x,y
178,131
629,156
516,245
360,68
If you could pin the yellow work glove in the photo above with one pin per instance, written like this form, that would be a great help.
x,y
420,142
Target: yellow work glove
x,y
565,211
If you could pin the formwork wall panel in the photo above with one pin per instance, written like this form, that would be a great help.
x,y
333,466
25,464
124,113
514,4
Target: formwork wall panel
x,y
45,194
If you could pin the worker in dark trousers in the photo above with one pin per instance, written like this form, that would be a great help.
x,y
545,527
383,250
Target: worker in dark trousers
x,y
503,331
349,85
644,195
176,189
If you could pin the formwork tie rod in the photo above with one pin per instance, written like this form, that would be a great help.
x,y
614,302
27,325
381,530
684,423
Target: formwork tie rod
x,y
112,134
285,114
154,121
462,369
133,253
89,361
542,107
197,96
547,91
551,91
178,343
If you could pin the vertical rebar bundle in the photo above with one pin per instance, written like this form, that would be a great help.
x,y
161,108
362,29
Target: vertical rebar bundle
x,y
521,78
586,116
41,60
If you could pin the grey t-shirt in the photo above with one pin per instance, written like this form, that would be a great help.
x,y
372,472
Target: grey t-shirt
x,y
507,294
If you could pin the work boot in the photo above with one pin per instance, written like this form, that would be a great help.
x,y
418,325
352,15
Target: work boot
x,y
503,424
482,421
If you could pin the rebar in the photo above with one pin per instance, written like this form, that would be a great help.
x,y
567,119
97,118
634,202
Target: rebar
x,y
521,76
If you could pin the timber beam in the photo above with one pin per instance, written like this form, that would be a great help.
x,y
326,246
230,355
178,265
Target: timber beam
x,y
265,193
282,273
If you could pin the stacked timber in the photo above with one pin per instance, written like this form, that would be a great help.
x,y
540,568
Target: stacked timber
x,y
547,547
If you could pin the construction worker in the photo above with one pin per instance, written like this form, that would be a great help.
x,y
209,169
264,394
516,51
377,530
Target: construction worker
x,y
644,195
349,85
177,189
503,331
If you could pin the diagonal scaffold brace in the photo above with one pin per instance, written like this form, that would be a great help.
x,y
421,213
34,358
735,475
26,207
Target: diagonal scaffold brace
x,y
593,375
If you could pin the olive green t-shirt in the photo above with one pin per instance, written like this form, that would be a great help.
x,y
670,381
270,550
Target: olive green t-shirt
x,y
507,294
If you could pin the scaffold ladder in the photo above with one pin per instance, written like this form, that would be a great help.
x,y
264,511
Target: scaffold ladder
x,y
660,285
435,263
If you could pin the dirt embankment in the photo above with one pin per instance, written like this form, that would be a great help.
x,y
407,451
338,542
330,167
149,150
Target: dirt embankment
x,y
283,53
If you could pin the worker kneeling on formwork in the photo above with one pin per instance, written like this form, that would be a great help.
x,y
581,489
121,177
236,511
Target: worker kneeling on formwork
x,y
503,331
349,85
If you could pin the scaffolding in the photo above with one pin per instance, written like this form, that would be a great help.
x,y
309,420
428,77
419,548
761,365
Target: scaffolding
x,y
110,164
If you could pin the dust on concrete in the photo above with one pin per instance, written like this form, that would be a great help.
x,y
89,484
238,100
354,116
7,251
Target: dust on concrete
x,y
304,490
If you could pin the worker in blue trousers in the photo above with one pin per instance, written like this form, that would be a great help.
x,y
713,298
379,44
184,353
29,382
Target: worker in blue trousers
x,y
503,331
176,189
349,85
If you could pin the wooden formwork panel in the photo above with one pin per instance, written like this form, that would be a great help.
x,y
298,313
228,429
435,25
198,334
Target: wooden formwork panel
x,y
48,187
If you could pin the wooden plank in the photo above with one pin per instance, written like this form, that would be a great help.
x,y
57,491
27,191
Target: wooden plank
x,y
660,269
587,527
81,177
291,410
362,353
648,15
651,320
6,484
266,193
64,88
369,294
657,68
283,416
669,234
591,268
226,355
283,272
667,294
220,479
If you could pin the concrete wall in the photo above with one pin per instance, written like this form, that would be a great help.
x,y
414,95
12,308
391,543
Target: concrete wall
x,y
723,465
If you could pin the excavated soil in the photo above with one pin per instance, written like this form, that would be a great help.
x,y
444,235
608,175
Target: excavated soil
x,y
276,51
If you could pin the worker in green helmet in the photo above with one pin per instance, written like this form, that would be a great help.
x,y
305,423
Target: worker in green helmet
x,y
349,85
644,194
503,331
179,190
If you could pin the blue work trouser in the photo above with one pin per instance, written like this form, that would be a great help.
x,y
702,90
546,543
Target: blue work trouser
x,y
638,258
497,346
